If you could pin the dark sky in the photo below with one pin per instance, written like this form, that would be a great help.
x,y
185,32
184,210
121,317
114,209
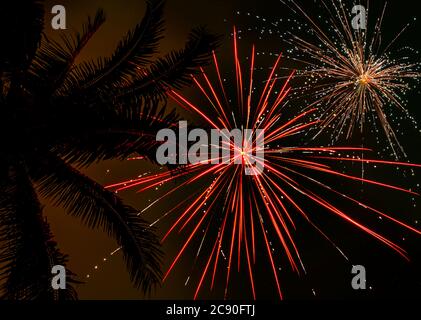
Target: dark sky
x,y
330,274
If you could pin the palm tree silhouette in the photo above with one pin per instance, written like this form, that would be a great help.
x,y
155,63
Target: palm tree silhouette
x,y
57,116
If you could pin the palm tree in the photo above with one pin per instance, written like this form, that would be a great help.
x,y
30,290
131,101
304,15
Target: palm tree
x,y
57,117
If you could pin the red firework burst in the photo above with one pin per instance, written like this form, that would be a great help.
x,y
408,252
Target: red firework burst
x,y
252,204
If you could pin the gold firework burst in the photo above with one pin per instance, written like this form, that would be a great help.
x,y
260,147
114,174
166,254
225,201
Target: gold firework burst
x,y
354,74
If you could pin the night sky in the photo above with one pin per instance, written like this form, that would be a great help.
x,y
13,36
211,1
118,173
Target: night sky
x,y
328,274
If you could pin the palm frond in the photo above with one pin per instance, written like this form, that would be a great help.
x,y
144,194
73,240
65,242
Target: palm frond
x,y
97,207
115,137
55,60
132,53
175,69
27,249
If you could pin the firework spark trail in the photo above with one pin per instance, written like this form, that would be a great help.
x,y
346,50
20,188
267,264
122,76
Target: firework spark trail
x,y
254,205
350,74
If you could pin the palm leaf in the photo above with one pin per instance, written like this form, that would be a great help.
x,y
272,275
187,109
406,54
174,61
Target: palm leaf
x,y
115,138
27,250
55,60
97,207
132,53
175,69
